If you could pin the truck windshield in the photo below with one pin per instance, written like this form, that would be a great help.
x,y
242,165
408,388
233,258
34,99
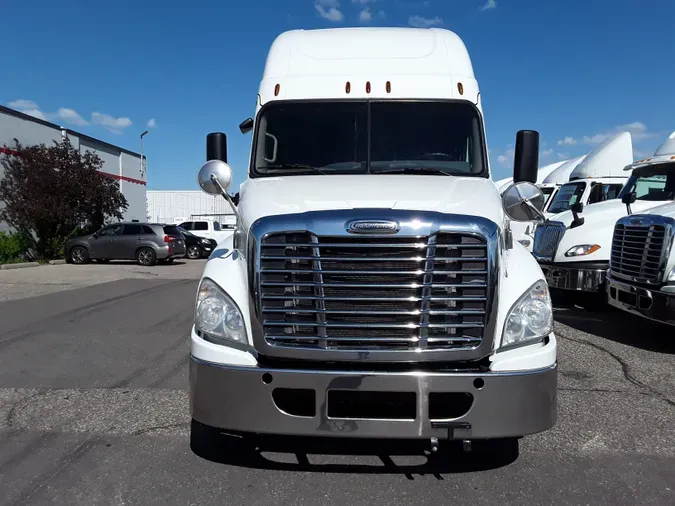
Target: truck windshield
x,y
569,194
547,191
652,183
392,137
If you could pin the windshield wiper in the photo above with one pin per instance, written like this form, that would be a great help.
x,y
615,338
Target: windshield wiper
x,y
291,166
414,168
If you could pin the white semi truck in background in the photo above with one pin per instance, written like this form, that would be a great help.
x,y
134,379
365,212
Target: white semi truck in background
x,y
523,232
569,246
641,276
372,287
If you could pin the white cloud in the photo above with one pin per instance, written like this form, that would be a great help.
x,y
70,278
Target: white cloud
x,y
567,141
64,114
506,159
422,22
329,9
115,125
365,15
563,156
490,4
364,2
152,123
546,153
637,129
71,116
23,104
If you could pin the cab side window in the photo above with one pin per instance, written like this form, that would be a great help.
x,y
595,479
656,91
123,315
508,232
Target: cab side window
x,y
110,231
187,225
201,225
133,229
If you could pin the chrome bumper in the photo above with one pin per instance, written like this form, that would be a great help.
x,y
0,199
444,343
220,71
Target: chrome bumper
x,y
342,404
651,304
574,278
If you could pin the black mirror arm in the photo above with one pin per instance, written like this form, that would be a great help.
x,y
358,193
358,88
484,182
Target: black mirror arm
x,y
576,222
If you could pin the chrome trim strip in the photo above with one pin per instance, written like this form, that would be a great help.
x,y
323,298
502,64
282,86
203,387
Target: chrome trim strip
x,y
413,224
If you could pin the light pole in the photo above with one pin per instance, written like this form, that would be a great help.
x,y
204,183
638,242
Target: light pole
x,y
142,158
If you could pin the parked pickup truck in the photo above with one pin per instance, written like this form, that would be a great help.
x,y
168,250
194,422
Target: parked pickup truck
x,y
209,229
372,287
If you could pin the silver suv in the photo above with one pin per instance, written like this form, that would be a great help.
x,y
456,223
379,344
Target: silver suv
x,y
147,243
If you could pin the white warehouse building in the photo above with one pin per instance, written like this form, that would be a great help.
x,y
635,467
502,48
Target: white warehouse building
x,y
118,163
173,206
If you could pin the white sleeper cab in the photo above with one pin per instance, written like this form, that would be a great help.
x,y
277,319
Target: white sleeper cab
x,y
572,247
641,277
372,287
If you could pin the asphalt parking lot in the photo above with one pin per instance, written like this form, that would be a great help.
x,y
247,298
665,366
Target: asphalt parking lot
x,y
94,410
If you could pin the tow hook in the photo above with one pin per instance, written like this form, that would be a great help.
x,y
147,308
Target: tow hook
x,y
434,444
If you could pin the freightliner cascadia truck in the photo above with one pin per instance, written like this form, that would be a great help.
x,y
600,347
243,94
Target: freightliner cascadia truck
x,y
641,276
372,287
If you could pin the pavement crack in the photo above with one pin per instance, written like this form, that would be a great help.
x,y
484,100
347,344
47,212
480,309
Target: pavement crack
x,y
147,430
625,369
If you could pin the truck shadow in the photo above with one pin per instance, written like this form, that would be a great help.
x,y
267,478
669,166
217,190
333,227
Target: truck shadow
x,y
336,455
615,325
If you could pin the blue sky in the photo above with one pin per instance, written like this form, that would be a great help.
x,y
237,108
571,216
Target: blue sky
x,y
577,71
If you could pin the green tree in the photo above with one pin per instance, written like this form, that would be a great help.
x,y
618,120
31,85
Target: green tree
x,y
53,192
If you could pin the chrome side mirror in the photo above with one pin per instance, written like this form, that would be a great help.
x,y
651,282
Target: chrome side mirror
x,y
523,202
215,177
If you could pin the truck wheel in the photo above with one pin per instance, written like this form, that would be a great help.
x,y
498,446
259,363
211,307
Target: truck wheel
x,y
79,255
146,257
194,252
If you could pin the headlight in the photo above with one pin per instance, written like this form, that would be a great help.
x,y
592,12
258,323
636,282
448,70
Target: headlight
x,y
206,241
524,242
217,315
530,318
582,249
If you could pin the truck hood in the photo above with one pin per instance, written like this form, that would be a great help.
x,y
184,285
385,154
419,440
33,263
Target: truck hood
x,y
298,194
667,210
598,227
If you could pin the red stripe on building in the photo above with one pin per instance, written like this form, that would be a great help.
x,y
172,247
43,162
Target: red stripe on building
x,y
123,178
128,179
8,151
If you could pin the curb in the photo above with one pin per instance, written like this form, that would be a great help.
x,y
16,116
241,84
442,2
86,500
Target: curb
x,y
57,262
6,267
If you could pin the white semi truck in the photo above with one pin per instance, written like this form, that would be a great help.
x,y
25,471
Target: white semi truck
x,y
641,276
372,287
569,246
523,232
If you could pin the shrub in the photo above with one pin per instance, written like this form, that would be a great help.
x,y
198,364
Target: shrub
x,y
12,248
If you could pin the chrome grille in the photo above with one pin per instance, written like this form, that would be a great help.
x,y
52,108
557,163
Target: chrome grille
x,y
637,251
374,293
547,236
